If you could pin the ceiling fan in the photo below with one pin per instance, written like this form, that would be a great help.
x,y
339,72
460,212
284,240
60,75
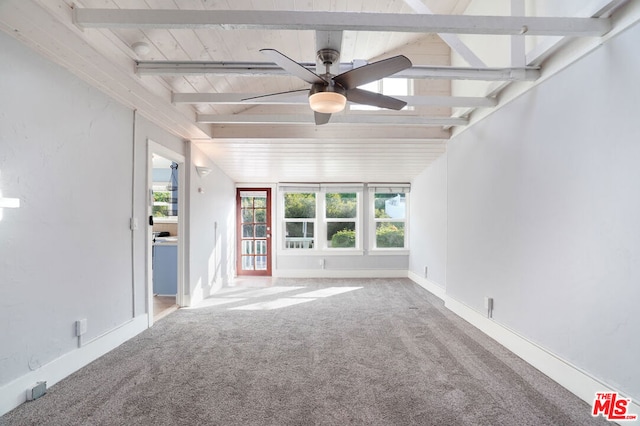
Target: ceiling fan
x,y
329,93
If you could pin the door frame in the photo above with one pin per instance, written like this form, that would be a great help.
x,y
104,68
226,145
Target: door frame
x,y
269,213
169,154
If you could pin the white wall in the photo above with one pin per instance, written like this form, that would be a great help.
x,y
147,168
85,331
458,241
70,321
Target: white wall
x,y
543,211
77,160
428,230
65,151
212,228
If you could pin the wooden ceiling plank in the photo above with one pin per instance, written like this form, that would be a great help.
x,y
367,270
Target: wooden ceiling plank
x,y
452,40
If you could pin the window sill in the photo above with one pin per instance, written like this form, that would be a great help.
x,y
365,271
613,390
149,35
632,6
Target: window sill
x,y
388,252
323,252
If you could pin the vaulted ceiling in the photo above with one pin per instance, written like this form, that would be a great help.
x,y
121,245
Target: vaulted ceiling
x,y
190,65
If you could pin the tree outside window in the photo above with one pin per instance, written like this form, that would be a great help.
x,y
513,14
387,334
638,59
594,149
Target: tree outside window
x,y
341,215
390,219
300,219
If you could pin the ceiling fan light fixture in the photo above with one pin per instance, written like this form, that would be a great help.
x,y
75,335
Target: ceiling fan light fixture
x,y
327,99
327,102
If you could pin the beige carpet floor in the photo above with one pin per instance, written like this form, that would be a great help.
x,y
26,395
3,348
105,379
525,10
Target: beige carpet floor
x,y
309,352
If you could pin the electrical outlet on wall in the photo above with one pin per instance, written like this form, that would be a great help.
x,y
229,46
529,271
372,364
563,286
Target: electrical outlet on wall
x,y
488,305
426,271
81,327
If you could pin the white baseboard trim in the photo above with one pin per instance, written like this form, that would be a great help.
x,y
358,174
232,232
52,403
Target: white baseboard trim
x,y
15,393
340,273
574,379
430,286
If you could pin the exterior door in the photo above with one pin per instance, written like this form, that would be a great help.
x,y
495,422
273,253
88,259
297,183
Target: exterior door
x,y
253,224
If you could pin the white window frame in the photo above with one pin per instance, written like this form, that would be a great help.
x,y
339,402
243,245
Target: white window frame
x,y
287,189
373,221
320,243
343,189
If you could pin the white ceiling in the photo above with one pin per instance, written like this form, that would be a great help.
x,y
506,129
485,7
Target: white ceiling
x,y
197,70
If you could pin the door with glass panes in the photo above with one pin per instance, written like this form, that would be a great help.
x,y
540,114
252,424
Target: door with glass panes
x,y
253,206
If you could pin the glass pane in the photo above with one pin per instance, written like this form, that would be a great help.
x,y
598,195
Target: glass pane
x,y
161,202
247,263
342,205
261,246
247,201
247,231
261,231
247,247
299,235
247,215
261,263
299,205
260,202
390,234
261,216
390,205
341,234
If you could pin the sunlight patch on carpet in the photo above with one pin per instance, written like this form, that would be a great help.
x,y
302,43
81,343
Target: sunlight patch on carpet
x,y
272,304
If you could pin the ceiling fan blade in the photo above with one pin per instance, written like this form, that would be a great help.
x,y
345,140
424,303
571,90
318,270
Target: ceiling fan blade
x,y
321,118
292,66
287,94
372,72
365,97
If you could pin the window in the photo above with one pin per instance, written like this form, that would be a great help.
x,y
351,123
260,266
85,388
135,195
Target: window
x,y
299,220
386,86
322,217
341,217
389,207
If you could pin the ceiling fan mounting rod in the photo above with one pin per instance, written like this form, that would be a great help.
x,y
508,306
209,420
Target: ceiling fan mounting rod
x,y
328,56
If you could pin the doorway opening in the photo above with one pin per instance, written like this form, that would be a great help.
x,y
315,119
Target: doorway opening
x,y
165,243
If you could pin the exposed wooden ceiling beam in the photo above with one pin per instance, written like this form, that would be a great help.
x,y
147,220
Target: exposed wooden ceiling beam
x,y
300,99
266,68
369,119
339,21
328,40
452,40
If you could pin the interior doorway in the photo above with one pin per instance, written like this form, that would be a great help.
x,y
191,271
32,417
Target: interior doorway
x,y
253,225
165,254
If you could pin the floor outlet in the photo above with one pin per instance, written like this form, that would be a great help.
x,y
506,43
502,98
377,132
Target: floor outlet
x,y
36,391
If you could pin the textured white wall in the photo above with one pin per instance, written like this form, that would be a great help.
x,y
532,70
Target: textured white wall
x,y
65,254
72,156
543,214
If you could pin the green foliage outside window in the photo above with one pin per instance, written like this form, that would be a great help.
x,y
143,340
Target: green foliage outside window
x,y
390,235
299,205
342,205
344,238
161,197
